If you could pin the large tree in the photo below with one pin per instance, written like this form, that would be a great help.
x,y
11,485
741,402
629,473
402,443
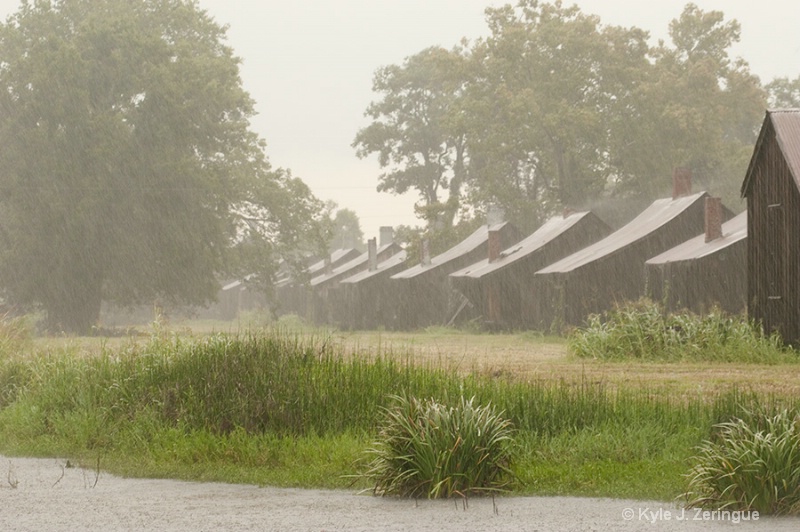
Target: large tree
x,y
784,92
127,167
700,108
417,131
346,230
551,82
555,109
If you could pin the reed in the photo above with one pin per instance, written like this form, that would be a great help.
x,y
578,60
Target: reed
x,y
16,336
749,465
289,385
643,330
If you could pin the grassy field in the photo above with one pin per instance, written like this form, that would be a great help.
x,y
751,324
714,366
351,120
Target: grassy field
x,y
181,401
523,357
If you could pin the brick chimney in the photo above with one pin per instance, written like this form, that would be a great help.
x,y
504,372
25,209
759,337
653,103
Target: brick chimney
x,y
495,244
713,218
372,254
425,252
681,182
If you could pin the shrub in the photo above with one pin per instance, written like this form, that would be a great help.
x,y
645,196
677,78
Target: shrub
x,y
428,449
749,466
643,330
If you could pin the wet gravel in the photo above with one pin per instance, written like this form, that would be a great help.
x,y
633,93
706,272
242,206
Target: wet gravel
x,y
46,495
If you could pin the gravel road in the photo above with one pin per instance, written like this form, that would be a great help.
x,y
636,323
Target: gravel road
x,y
44,495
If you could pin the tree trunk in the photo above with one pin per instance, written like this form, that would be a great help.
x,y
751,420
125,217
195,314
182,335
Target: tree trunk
x,y
77,310
454,199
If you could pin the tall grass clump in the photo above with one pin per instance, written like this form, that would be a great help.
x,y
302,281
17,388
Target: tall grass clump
x,y
643,330
287,386
749,466
16,337
283,408
426,448
268,383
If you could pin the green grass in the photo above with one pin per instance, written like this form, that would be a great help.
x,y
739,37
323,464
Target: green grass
x,y
425,448
274,408
642,330
749,465
629,462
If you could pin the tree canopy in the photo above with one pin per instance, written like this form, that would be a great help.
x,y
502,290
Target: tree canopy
x,y
346,230
554,109
127,167
417,133
784,92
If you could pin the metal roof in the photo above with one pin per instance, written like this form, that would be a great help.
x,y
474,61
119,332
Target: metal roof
x,y
336,256
658,214
787,129
395,260
734,230
238,283
472,242
231,286
549,231
786,123
348,267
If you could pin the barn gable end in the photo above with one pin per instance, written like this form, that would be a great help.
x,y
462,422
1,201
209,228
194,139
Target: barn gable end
x,y
772,189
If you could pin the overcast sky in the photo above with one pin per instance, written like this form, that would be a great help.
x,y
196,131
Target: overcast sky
x,y
309,66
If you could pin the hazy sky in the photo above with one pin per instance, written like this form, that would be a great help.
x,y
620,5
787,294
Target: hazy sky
x,y
309,66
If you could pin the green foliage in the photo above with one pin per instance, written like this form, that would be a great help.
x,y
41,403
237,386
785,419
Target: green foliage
x,y
702,106
16,335
425,448
555,109
543,140
268,383
750,466
417,131
346,230
638,461
275,382
642,330
128,168
255,319
291,410
784,93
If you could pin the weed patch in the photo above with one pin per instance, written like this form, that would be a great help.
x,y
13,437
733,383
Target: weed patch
x,y
642,330
750,466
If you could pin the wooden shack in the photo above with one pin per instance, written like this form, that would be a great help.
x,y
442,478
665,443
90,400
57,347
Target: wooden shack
x,y
424,296
771,187
292,294
707,271
325,302
611,271
501,285
239,296
369,301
